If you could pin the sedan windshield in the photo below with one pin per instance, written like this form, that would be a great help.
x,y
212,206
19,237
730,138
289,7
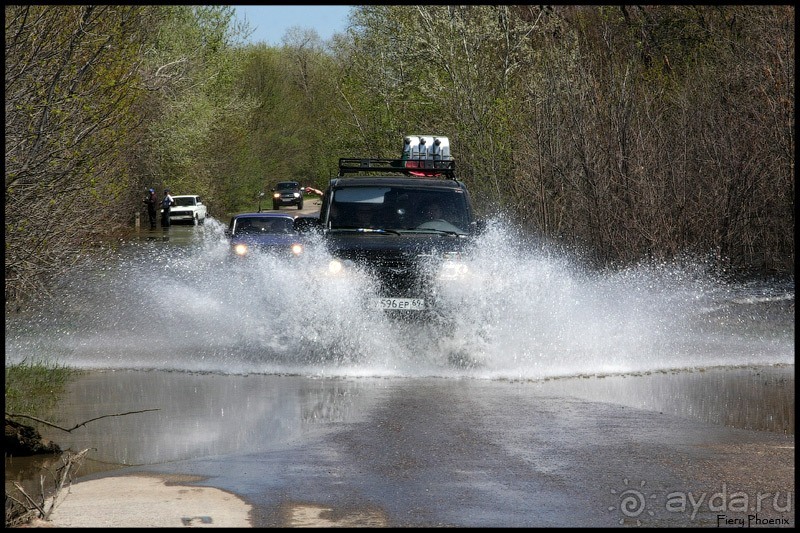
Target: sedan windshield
x,y
257,226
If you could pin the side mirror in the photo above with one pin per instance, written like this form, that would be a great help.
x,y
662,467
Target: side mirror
x,y
307,225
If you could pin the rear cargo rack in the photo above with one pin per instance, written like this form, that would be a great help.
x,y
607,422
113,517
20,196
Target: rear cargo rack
x,y
422,168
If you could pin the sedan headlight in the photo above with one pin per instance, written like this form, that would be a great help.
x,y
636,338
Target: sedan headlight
x,y
241,249
297,249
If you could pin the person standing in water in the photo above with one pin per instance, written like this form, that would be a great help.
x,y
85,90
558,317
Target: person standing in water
x,y
166,205
150,201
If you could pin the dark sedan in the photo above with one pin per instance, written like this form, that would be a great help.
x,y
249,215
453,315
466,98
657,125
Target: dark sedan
x,y
264,232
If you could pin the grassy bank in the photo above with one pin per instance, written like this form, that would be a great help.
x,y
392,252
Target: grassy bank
x,y
34,388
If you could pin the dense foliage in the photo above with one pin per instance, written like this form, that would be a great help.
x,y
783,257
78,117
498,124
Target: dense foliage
x,y
630,132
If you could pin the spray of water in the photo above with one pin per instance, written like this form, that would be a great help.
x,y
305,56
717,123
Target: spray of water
x,y
526,312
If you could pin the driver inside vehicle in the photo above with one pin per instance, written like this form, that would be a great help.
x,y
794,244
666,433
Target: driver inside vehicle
x,y
363,215
430,211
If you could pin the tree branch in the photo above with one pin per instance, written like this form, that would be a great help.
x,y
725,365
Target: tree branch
x,y
77,425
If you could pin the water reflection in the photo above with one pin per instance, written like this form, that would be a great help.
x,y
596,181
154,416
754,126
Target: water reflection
x,y
176,234
208,414
199,415
760,399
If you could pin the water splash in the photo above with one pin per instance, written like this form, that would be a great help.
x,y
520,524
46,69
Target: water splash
x,y
526,313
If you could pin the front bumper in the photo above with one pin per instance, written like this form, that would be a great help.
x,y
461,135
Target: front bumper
x,y
181,216
406,289
287,200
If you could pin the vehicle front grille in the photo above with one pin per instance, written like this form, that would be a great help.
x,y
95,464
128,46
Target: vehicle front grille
x,y
398,273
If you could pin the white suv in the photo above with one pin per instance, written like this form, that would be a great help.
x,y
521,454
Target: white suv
x,y
188,208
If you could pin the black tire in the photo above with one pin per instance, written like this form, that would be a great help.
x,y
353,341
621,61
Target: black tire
x,y
275,207
300,205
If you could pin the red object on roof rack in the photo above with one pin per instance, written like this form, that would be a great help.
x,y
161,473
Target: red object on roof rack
x,y
426,169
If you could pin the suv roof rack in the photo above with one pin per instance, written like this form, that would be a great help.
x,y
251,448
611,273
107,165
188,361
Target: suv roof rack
x,y
422,168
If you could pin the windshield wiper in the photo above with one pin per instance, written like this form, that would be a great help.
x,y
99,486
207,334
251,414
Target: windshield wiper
x,y
439,231
368,230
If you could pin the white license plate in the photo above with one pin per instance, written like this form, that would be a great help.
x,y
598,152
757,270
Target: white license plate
x,y
401,304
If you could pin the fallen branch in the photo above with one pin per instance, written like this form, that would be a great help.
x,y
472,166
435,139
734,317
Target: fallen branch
x,y
15,415
31,501
24,513
64,477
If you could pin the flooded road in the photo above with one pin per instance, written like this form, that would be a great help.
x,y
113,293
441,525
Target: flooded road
x,y
408,452
577,390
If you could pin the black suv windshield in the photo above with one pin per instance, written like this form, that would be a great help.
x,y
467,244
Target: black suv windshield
x,y
399,208
287,185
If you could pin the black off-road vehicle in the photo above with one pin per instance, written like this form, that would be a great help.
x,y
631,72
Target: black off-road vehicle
x,y
287,193
405,224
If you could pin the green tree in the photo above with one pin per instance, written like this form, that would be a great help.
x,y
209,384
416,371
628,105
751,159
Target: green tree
x,y
192,67
71,83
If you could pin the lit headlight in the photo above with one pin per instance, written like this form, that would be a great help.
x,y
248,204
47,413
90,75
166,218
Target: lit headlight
x,y
241,249
342,269
276,195
451,270
335,267
296,194
297,249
